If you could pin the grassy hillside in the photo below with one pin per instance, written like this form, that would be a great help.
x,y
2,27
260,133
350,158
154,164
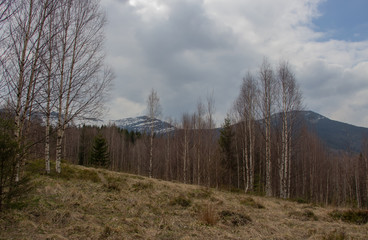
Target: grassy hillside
x,y
88,203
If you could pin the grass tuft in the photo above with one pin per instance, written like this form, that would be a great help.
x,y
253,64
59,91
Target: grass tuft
x,y
105,233
306,215
251,203
140,186
299,200
208,215
335,235
202,193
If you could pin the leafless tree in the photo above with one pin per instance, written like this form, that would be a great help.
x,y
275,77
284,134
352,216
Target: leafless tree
x,y
186,128
267,87
22,68
290,102
82,77
154,111
199,127
46,96
210,124
7,10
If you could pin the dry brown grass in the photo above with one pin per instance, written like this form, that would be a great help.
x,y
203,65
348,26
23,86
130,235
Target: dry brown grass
x,y
208,215
123,206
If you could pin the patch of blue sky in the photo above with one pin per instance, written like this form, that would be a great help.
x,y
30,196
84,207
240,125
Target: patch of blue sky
x,y
345,20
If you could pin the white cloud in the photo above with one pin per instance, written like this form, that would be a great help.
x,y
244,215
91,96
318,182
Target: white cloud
x,y
123,108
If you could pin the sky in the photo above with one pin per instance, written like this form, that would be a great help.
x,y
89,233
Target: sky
x,y
188,50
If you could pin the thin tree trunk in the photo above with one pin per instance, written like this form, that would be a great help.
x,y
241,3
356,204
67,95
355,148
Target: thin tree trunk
x,y
251,160
151,151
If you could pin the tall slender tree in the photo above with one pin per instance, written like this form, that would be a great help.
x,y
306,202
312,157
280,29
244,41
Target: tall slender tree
x,y
22,68
82,77
290,101
154,111
225,141
267,87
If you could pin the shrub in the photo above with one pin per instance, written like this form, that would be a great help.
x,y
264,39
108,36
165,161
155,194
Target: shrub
x,y
181,201
299,200
233,218
11,192
351,216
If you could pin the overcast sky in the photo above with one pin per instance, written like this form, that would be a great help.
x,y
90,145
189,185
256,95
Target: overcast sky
x,y
186,49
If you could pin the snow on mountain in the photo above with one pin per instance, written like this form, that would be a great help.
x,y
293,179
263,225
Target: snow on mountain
x,y
312,117
143,124
137,124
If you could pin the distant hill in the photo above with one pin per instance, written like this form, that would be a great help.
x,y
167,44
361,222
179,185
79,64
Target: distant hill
x,y
336,135
136,124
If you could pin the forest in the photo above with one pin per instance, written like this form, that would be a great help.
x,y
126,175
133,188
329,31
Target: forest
x,y
232,157
52,62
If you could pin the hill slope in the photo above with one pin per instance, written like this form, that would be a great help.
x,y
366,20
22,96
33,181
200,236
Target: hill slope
x,y
336,135
87,203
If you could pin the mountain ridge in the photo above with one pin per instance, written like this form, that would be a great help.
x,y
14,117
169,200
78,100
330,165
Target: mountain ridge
x,y
336,135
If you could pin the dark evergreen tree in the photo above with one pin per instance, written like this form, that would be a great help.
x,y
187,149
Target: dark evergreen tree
x,y
10,190
100,153
228,162
82,147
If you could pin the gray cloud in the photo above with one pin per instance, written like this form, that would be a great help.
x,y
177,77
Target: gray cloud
x,y
188,48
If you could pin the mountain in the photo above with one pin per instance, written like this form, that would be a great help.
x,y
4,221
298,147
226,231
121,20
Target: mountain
x,y
136,124
142,124
336,135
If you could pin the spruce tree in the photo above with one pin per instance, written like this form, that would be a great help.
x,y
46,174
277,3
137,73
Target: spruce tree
x,y
10,190
227,152
100,153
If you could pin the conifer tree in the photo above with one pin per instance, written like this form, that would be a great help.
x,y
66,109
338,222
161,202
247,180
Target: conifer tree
x,y
100,153
226,148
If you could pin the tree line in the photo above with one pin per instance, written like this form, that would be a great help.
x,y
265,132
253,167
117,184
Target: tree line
x,y
263,147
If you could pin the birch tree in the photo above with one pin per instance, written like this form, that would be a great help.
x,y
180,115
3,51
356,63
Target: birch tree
x,y
82,77
290,101
22,68
47,93
245,109
267,87
186,126
210,109
154,111
199,127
